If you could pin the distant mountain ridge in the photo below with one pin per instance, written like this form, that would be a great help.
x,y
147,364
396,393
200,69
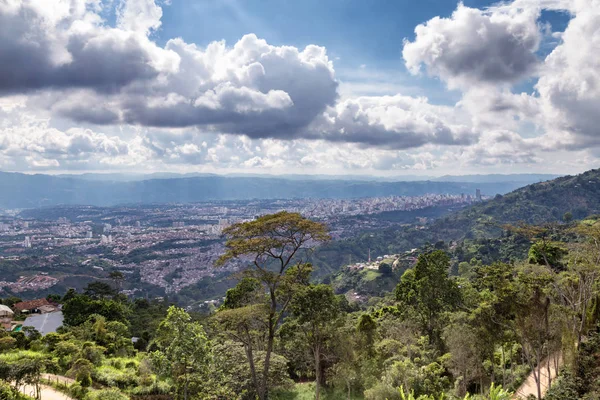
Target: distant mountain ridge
x,y
478,178
525,178
28,191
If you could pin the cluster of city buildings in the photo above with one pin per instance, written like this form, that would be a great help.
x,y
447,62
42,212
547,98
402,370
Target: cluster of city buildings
x,y
372,205
29,283
175,245
395,261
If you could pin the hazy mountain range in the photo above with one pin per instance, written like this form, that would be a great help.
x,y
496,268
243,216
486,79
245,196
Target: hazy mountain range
x,y
25,191
525,178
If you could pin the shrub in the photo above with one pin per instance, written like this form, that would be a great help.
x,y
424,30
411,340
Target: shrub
x,y
106,394
77,391
7,392
382,391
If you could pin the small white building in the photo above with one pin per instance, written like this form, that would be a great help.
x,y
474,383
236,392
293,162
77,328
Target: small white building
x,y
5,311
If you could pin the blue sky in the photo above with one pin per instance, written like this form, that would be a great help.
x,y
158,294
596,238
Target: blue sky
x,y
358,32
355,33
331,87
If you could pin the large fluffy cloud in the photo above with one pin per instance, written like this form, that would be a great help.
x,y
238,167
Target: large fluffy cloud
x,y
474,46
396,122
500,147
84,70
65,44
569,84
485,52
29,142
78,90
252,88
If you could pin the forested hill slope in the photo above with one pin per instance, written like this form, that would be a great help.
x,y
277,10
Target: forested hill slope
x,y
538,203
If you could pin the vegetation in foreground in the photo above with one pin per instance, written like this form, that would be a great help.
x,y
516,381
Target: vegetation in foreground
x,y
280,336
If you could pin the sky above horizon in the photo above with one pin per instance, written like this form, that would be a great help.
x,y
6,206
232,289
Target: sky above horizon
x,y
387,87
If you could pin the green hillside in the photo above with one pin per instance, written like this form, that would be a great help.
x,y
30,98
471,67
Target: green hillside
x,y
538,203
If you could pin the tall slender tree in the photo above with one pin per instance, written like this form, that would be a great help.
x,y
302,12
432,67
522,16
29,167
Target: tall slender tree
x,y
315,310
183,351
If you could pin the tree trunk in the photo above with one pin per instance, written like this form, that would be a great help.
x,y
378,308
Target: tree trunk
x,y
548,368
263,395
582,324
512,371
493,364
538,378
264,392
250,356
317,353
185,389
503,366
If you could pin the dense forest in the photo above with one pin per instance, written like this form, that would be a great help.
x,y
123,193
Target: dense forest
x,y
485,329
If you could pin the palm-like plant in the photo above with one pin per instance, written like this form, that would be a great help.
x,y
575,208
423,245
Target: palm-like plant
x,y
496,393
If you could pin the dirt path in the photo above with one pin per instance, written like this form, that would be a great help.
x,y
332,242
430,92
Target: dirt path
x,y
46,392
529,387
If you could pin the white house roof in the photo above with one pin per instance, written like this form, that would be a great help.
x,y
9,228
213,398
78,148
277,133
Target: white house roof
x,y
45,323
5,309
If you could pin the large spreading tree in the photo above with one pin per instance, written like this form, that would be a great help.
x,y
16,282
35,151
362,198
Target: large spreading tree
x,y
276,248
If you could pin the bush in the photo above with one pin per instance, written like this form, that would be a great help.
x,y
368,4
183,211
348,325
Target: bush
x,y
382,391
7,343
106,394
110,376
159,388
7,392
84,379
77,391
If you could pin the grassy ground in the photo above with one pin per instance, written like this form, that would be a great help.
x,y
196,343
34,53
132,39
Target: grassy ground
x,y
370,275
306,391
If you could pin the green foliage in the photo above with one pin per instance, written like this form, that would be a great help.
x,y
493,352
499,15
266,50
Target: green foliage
x,y
7,392
79,308
77,391
428,291
277,236
183,352
365,282
242,294
82,370
385,268
116,377
7,343
435,335
277,244
106,394
306,391
565,387
99,290
549,254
